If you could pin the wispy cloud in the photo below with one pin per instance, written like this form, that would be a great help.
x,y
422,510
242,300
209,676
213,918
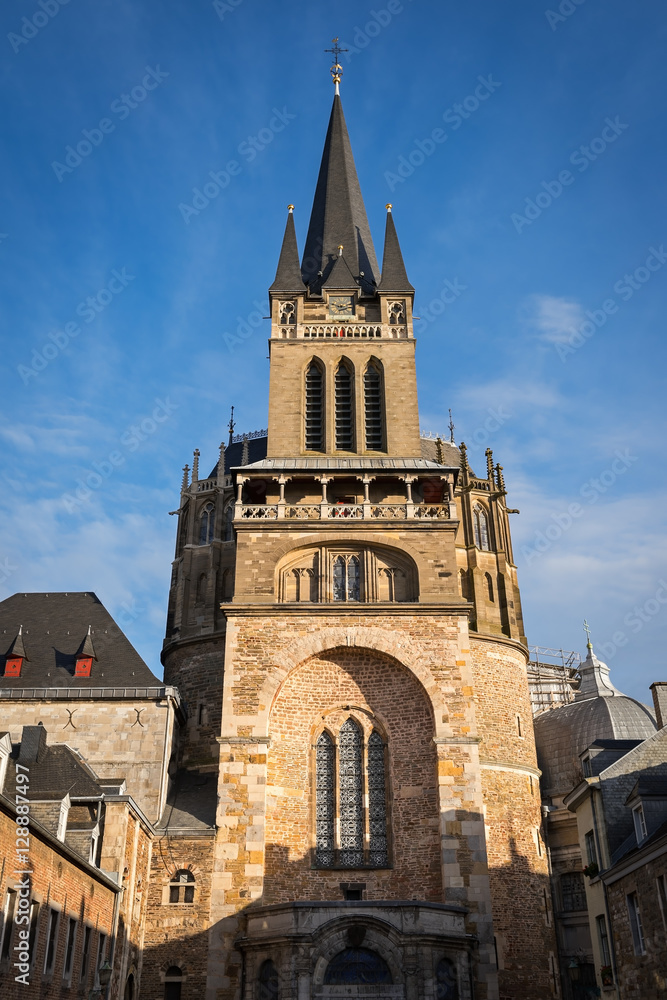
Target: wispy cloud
x,y
554,319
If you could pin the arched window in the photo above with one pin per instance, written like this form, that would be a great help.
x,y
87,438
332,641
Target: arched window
x,y
488,582
377,801
325,767
351,795
481,527
129,988
344,399
173,979
287,313
374,407
446,981
346,578
206,524
314,407
182,887
229,520
357,966
269,987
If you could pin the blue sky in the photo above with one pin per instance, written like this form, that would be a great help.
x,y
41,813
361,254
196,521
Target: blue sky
x,y
542,203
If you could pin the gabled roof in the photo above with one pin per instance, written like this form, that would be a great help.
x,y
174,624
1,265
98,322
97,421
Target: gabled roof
x,y
55,771
338,217
55,627
288,275
394,275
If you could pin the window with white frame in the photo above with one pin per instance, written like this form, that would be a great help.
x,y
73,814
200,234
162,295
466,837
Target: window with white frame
x,y
661,885
636,926
640,822
603,938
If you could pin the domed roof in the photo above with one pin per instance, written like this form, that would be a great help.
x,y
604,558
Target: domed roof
x,y
599,712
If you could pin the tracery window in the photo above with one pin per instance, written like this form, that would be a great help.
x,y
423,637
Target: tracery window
x,y
182,887
374,407
287,313
206,524
446,981
269,986
344,400
346,578
357,966
314,407
481,527
572,891
363,837
396,311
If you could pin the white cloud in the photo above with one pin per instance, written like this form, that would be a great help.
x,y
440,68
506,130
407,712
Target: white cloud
x,y
554,318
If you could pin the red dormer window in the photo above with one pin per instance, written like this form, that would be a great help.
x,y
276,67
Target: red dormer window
x,y
83,666
13,666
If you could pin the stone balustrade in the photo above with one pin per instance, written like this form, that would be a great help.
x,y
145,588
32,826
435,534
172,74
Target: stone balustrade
x,y
351,511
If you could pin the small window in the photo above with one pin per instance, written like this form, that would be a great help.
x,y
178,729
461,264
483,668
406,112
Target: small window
x,y
206,524
173,980
51,941
640,822
591,853
587,767
572,891
636,923
101,948
8,924
182,887
480,522
34,924
346,578
69,949
519,731
85,954
603,938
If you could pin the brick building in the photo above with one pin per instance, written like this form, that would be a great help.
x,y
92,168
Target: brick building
x,y
337,780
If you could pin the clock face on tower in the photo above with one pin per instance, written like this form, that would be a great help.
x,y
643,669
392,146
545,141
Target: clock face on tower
x,y
341,306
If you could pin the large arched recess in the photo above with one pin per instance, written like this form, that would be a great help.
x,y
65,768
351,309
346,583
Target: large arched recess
x,y
320,693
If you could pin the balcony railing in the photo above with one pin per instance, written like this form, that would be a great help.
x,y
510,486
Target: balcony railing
x,y
350,511
332,331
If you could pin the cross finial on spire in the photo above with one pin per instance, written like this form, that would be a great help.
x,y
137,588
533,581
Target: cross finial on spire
x,y
231,425
451,428
336,69
589,644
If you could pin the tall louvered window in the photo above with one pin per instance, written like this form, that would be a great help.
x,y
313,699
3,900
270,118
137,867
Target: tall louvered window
x,y
374,407
344,398
314,407
481,527
206,524
362,838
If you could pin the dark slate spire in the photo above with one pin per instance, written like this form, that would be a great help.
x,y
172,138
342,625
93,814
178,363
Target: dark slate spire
x,y
338,216
288,275
394,276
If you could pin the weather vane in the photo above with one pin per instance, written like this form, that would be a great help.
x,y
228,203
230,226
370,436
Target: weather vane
x,y
588,632
231,425
451,428
336,70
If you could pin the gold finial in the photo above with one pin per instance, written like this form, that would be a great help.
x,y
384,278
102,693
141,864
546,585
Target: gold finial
x,y
389,206
336,69
290,209
340,249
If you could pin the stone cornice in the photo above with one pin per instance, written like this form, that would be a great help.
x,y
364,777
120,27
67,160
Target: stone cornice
x,y
508,765
504,640
338,609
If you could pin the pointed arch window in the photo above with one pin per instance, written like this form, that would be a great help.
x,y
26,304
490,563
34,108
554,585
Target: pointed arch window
x,y
314,407
362,828
374,406
344,400
346,578
206,524
480,522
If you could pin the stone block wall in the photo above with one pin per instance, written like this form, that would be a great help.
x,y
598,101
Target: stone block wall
x,y
640,977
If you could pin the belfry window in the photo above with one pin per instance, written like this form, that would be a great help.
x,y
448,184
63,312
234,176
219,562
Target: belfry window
x,y
480,522
346,578
206,524
344,399
373,407
362,838
314,407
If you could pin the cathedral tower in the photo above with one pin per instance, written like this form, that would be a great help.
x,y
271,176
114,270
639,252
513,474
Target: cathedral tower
x,y
345,628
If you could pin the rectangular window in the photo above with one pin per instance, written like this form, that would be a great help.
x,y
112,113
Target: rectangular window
x,y
51,941
636,923
8,926
85,953
69,949
101,945
34,924
603,939
640,822
591,853
572,891
587,767
661,883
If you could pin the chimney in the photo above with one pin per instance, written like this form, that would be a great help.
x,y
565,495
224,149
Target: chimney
x,y
659,692
33,744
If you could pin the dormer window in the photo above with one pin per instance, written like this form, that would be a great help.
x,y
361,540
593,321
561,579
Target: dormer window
x,y
13,666
640,822
83,666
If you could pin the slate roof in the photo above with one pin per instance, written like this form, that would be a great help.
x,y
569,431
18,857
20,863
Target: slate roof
x,y
288,275
191,802
349,464
55,627
394,275
56,771
338,215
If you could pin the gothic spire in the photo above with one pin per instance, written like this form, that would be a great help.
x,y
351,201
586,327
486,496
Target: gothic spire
x,y
394,276
338,215
288,275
